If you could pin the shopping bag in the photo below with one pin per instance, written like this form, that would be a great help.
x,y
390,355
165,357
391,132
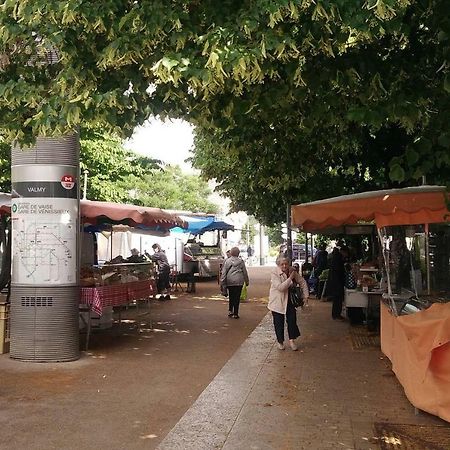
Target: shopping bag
x,y
296,296
244,293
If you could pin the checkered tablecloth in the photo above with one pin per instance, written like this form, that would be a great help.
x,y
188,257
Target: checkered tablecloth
x,y
117,294
137,290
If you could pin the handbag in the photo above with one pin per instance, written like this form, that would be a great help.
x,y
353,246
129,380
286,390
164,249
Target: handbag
x,y
296,296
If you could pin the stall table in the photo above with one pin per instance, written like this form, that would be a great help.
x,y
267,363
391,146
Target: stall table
x,y
99,297
370,301
116,295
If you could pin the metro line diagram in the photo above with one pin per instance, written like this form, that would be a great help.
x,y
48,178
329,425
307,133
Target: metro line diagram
x,y
44,252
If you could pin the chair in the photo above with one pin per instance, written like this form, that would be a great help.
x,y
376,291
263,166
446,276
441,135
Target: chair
x,y
174,282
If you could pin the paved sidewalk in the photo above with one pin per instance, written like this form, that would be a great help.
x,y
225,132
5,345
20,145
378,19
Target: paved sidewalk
x,y
324,396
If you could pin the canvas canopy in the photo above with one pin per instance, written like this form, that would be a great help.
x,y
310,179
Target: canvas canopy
x,y
415,205
132,215
216,225
194,223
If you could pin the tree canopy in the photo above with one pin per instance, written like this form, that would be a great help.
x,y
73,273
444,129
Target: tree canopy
x,y
119,175
110,167
292,99
170,188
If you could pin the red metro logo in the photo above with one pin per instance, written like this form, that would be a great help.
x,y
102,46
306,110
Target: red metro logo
x,y
68,181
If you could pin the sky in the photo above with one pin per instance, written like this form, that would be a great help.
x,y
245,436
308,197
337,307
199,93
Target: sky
x,y
171,142
168,141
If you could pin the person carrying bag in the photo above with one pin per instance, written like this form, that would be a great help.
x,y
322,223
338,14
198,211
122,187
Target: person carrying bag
x,y
280,303
234,276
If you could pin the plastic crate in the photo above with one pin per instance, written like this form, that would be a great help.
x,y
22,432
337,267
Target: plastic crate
x,y
4,328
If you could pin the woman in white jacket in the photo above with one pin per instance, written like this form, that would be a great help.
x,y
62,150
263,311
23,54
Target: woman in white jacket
x,y
281,279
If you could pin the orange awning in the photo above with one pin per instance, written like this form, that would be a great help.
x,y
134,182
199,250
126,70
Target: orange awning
x,y
415,205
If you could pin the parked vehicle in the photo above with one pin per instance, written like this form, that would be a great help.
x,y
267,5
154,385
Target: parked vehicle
x,y
299,252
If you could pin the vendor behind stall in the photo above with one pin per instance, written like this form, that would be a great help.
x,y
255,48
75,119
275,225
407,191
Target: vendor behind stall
x,y
135,256
160,258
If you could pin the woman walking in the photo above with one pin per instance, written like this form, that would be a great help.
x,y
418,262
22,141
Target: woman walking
x,y
234,275
281,279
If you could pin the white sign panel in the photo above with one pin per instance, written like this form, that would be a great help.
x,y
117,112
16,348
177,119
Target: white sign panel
x,y
44,241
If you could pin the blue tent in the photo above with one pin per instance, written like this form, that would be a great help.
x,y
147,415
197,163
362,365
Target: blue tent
x,y
195,223
216,225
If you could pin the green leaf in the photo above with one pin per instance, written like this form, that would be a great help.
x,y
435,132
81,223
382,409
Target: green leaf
x,y
397,173
411,156
447,83
444,140
423,145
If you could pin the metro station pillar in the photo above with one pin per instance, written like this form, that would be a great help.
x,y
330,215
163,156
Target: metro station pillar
x,y
45,264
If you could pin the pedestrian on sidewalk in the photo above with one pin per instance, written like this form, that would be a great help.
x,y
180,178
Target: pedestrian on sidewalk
x,y
281,279
336,281
234,275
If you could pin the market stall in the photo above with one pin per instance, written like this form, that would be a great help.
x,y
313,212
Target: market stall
x,y
201,250
116,280
119,280
414,233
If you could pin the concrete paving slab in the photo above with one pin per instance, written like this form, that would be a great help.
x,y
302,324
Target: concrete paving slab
x,y
220,403
324,396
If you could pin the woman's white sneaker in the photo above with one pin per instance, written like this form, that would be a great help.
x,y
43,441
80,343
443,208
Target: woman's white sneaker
x,y
280,345
293,344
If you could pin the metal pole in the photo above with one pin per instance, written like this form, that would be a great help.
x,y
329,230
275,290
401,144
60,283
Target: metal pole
x,y
261,257
85,174
306,248
289,233
427,256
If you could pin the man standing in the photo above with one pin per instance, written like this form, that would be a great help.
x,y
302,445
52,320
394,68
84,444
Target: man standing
x,y
335,282
160,258
320,262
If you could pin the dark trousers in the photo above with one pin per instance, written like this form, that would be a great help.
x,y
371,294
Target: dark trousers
x,y
163,282
336,309
291,320
234,298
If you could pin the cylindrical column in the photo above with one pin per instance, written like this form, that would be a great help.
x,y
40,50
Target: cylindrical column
x,y
45,232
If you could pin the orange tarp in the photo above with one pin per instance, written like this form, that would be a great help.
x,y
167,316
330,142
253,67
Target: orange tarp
x,y
417,205
418,346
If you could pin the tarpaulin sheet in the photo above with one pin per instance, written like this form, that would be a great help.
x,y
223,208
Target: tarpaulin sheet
x,y
418,346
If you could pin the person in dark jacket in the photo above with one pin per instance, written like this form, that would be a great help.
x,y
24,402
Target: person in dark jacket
x,y
160,258
234,275
320,262
335,283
